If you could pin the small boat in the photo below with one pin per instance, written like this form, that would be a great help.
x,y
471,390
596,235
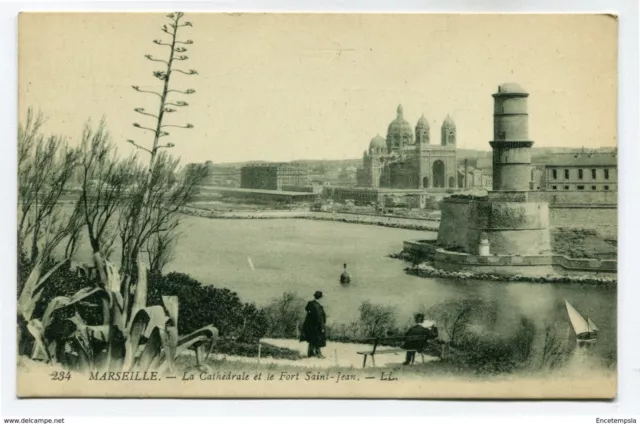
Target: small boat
x,y
585,328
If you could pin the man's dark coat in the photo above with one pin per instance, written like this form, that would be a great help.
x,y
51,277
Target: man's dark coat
x,y
313,329
418,336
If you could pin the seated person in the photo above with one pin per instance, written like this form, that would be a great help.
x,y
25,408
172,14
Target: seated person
x,y
418,336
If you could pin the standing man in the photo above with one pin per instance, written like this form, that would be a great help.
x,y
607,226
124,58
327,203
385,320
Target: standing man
x,y
313,329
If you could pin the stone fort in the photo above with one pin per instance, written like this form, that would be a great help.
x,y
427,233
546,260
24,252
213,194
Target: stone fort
x,y
506,231
407,159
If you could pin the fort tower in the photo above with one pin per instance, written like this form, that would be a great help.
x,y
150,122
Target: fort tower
x,y
510,225
511,144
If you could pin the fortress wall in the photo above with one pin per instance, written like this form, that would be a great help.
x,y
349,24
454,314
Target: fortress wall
x,y
523,265
454,223
511,227
581,197
603,220
515,242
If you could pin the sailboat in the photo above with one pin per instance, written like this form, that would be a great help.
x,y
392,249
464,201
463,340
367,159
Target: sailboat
x,y
586,330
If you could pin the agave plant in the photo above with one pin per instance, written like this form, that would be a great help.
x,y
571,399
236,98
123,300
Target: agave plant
x,y
131,336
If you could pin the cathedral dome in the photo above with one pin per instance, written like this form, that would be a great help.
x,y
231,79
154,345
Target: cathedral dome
x,y
422,122
399,132
378,142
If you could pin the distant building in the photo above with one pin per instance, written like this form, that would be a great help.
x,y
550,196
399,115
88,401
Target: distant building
x,y
274,176
219,175
403,162
475,178
578,172
223,176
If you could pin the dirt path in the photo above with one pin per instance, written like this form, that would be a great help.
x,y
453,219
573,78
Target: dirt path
x,y
336,354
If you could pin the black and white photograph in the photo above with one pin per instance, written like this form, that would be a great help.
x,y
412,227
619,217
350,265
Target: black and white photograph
x,y
317,205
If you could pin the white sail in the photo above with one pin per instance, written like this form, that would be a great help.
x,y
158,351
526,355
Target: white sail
x,y
592,325
580,325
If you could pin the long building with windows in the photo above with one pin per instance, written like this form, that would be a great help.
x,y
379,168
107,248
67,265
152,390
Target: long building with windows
x,y
579,172
274,176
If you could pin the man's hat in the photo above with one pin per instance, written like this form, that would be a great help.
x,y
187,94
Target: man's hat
x,y
317,295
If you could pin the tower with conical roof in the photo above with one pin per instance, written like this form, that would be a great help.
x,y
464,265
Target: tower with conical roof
x,y
448,132
422,131
377,149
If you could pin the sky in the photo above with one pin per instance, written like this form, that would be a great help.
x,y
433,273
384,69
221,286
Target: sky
x,y
282,87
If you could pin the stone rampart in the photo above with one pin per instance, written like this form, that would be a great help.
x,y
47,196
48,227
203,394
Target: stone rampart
x,y
525,265
454,223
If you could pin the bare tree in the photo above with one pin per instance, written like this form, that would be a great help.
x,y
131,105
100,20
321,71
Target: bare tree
x,y
105,181
376,320
45,167
160,247
454,317
168,191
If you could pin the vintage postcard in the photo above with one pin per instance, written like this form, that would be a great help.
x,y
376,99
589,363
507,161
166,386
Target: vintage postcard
x,y
337,205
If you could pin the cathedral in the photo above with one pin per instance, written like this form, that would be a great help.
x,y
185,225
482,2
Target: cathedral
x,y
405,160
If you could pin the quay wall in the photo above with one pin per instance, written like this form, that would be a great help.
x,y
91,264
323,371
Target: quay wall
x,y
512,265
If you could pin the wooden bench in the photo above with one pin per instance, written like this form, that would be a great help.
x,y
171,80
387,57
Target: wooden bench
x,y
422,340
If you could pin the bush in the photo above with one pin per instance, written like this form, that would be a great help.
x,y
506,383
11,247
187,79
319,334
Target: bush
x,y
285,315
483,344
376,320
206,304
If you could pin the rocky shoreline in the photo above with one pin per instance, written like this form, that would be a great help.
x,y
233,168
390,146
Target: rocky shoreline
x,y
426,270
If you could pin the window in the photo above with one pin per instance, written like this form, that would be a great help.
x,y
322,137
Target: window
x,y
606,187
593,174
580,174
580,187
606,174
566,174
593,187
566,187
555,174
555,187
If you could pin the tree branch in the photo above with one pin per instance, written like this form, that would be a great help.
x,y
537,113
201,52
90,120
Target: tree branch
x,y
148,56
141,111
137,88
135,124
189,72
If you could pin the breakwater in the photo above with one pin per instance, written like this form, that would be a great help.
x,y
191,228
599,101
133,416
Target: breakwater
x,y
382,221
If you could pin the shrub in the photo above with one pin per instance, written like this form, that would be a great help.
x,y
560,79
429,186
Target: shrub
x,y
285,315
207,304
375,321
127,335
